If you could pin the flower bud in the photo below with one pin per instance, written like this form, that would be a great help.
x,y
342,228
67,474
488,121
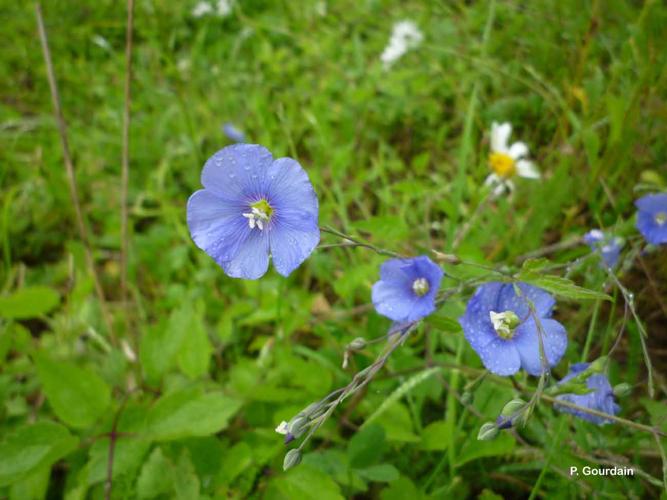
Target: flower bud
x,y
357,344
622,390
297,426
598,365
487,432
513,408
292,458
466,398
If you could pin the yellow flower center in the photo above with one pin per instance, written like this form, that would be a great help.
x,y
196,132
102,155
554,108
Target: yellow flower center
x,y
264,207
661,218
502,164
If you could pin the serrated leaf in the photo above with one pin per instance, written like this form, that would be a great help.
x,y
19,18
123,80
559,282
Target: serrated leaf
x,y
78,396
31,447
29,302
190,412
152,479
562,286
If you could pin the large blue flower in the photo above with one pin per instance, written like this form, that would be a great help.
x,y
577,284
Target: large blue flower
x,y
601,398
407,288
253,206
652,217
608,246
499,326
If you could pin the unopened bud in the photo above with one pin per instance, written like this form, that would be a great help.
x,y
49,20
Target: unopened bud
x,y
598,365
292,458
513,408
297,426
357,344
487,432
466,398
622,390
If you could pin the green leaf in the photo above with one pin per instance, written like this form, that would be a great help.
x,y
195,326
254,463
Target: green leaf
x,y
401,390
189,412
161,345
561,286
78,396
31,447
443,323
435,436
195,350
29,302
366,447
381,473
401,489
152,479
305,483
473,449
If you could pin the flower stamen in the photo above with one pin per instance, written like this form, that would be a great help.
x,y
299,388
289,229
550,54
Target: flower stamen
x,y
260,213
502,164
420,286
661,218
504,323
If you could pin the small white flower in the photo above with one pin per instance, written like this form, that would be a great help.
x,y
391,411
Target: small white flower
x,y
224,7
507,161
201,9
405,36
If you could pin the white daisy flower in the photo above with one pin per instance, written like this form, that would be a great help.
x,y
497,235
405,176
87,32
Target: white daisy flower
x,y
507,161
405,36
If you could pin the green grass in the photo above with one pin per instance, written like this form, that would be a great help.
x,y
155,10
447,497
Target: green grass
x,y
397,157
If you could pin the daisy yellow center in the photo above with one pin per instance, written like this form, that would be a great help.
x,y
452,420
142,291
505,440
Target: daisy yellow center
x,y
502,164
260,213
420,287
504,323
661,218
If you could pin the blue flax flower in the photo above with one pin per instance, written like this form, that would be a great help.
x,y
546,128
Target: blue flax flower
x,y
233,133
609,247
601,398
253,206
499,326
652,217
407,289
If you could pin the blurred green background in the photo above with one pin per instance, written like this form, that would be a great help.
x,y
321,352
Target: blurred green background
x,y
198,369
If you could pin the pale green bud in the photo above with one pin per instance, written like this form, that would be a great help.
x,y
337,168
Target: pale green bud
x,y
487,432
292,458
622,390
513,408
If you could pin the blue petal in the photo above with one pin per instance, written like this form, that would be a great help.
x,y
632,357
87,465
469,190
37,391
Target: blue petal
x,y
290,192
291,244
510,301
652,203
653,232
500,357
252,259
238,173
527,343
394,302
217,226
476,322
